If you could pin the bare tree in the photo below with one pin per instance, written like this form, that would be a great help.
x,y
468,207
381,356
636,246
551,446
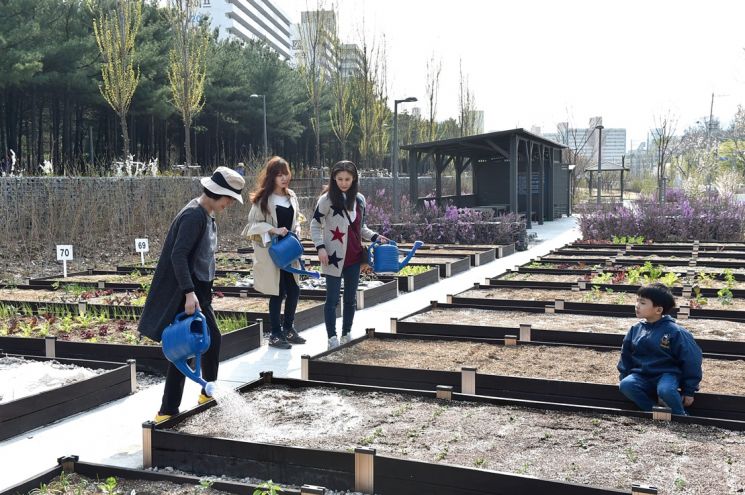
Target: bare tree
x,y
577,142
316,33
466,104
432,88
662,135
340,115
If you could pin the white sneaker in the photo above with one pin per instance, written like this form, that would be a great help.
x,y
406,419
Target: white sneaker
x,y
345,338
333,342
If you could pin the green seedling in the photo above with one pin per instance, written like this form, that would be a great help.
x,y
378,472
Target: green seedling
x,y
267,488
413,270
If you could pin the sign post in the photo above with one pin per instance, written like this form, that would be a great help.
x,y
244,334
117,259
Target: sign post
x,y
142,246
64,254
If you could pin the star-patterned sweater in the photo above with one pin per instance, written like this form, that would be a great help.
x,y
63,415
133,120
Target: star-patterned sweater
x,y
329,229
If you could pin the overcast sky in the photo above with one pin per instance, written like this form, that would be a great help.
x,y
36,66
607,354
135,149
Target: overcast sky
x,y
539,62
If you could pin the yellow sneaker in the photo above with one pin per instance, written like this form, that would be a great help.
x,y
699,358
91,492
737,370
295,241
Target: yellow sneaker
x,y
203,398
159,418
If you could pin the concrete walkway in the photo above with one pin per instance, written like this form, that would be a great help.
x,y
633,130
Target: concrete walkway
x,y
112,434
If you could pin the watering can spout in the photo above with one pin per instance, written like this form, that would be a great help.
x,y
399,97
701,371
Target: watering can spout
x,y
417,245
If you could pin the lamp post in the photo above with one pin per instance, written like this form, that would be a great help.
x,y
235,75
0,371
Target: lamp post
x,y
394,156
263,100
600,154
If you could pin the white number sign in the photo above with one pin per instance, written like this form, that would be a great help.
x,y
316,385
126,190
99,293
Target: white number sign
x,y
64,254
142,247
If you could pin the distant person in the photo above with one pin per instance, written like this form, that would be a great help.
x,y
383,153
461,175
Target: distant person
x,y
659,358
337,229
183,278
241,169
275,213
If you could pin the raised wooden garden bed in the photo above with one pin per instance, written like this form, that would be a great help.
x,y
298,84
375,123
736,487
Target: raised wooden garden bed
x,y
90,337
448,266
368,294
420,445
721,337
585,376
71,473
593,301
654,246
26,413
410,283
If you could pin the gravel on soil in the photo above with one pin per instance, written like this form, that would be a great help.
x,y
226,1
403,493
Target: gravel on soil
x,y
700,328
599,450
574,364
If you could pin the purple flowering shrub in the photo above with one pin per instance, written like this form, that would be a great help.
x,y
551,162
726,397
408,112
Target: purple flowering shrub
x,y
442,225
709,217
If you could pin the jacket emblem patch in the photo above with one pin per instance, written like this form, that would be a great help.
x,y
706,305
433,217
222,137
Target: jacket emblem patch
x,y
665,341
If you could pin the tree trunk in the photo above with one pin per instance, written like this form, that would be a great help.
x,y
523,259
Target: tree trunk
x,y
187,143
40,133
125,135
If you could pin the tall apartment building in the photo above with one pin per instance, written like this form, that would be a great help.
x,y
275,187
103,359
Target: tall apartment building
x,y
614,141
250,20
318,28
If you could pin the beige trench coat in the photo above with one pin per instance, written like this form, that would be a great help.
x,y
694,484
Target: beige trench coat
x,y
265,272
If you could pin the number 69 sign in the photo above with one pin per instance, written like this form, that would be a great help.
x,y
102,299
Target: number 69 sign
x,y
142,246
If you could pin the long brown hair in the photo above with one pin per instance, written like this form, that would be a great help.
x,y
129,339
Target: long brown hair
x,y
336,196
274,166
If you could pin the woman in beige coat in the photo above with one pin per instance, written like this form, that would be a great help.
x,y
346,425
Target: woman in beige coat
x,y
275,212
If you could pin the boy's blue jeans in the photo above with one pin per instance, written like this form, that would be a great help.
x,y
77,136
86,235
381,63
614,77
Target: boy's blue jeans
x,y
351,276
644,391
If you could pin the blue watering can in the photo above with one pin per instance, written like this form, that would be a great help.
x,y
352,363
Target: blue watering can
x,y
383,258
285,251
188,337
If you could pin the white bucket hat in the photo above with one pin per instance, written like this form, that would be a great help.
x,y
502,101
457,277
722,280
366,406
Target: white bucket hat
x,y
225,181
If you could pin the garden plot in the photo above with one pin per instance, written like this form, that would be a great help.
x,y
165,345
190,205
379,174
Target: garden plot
x,y
81,478
549,373
37,391
566,363
96,335
593,295
589,449
20,377
459,315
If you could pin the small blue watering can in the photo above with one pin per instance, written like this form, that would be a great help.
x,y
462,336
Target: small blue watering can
x,y
383,258
285,251
188,337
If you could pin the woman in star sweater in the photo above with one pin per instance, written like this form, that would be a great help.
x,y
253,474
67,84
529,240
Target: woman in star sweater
x,y
337,229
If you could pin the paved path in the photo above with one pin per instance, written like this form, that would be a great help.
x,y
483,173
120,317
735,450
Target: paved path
x,y
112,434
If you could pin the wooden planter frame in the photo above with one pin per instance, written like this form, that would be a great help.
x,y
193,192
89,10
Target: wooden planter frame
x,y
726,411
149,358
524,331
71,464
362,470
600,309
46,407
410,283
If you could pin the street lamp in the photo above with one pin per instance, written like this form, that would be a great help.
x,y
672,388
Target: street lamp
x,y
600,154
394,156
263,99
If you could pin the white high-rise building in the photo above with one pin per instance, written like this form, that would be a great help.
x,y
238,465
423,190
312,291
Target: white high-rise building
x,y
250,20
614,141
317,32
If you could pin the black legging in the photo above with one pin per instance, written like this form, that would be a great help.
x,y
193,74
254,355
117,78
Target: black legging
x,y
174,388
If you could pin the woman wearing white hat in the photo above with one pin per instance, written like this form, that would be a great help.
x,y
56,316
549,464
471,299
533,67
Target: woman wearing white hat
x,y
183,278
